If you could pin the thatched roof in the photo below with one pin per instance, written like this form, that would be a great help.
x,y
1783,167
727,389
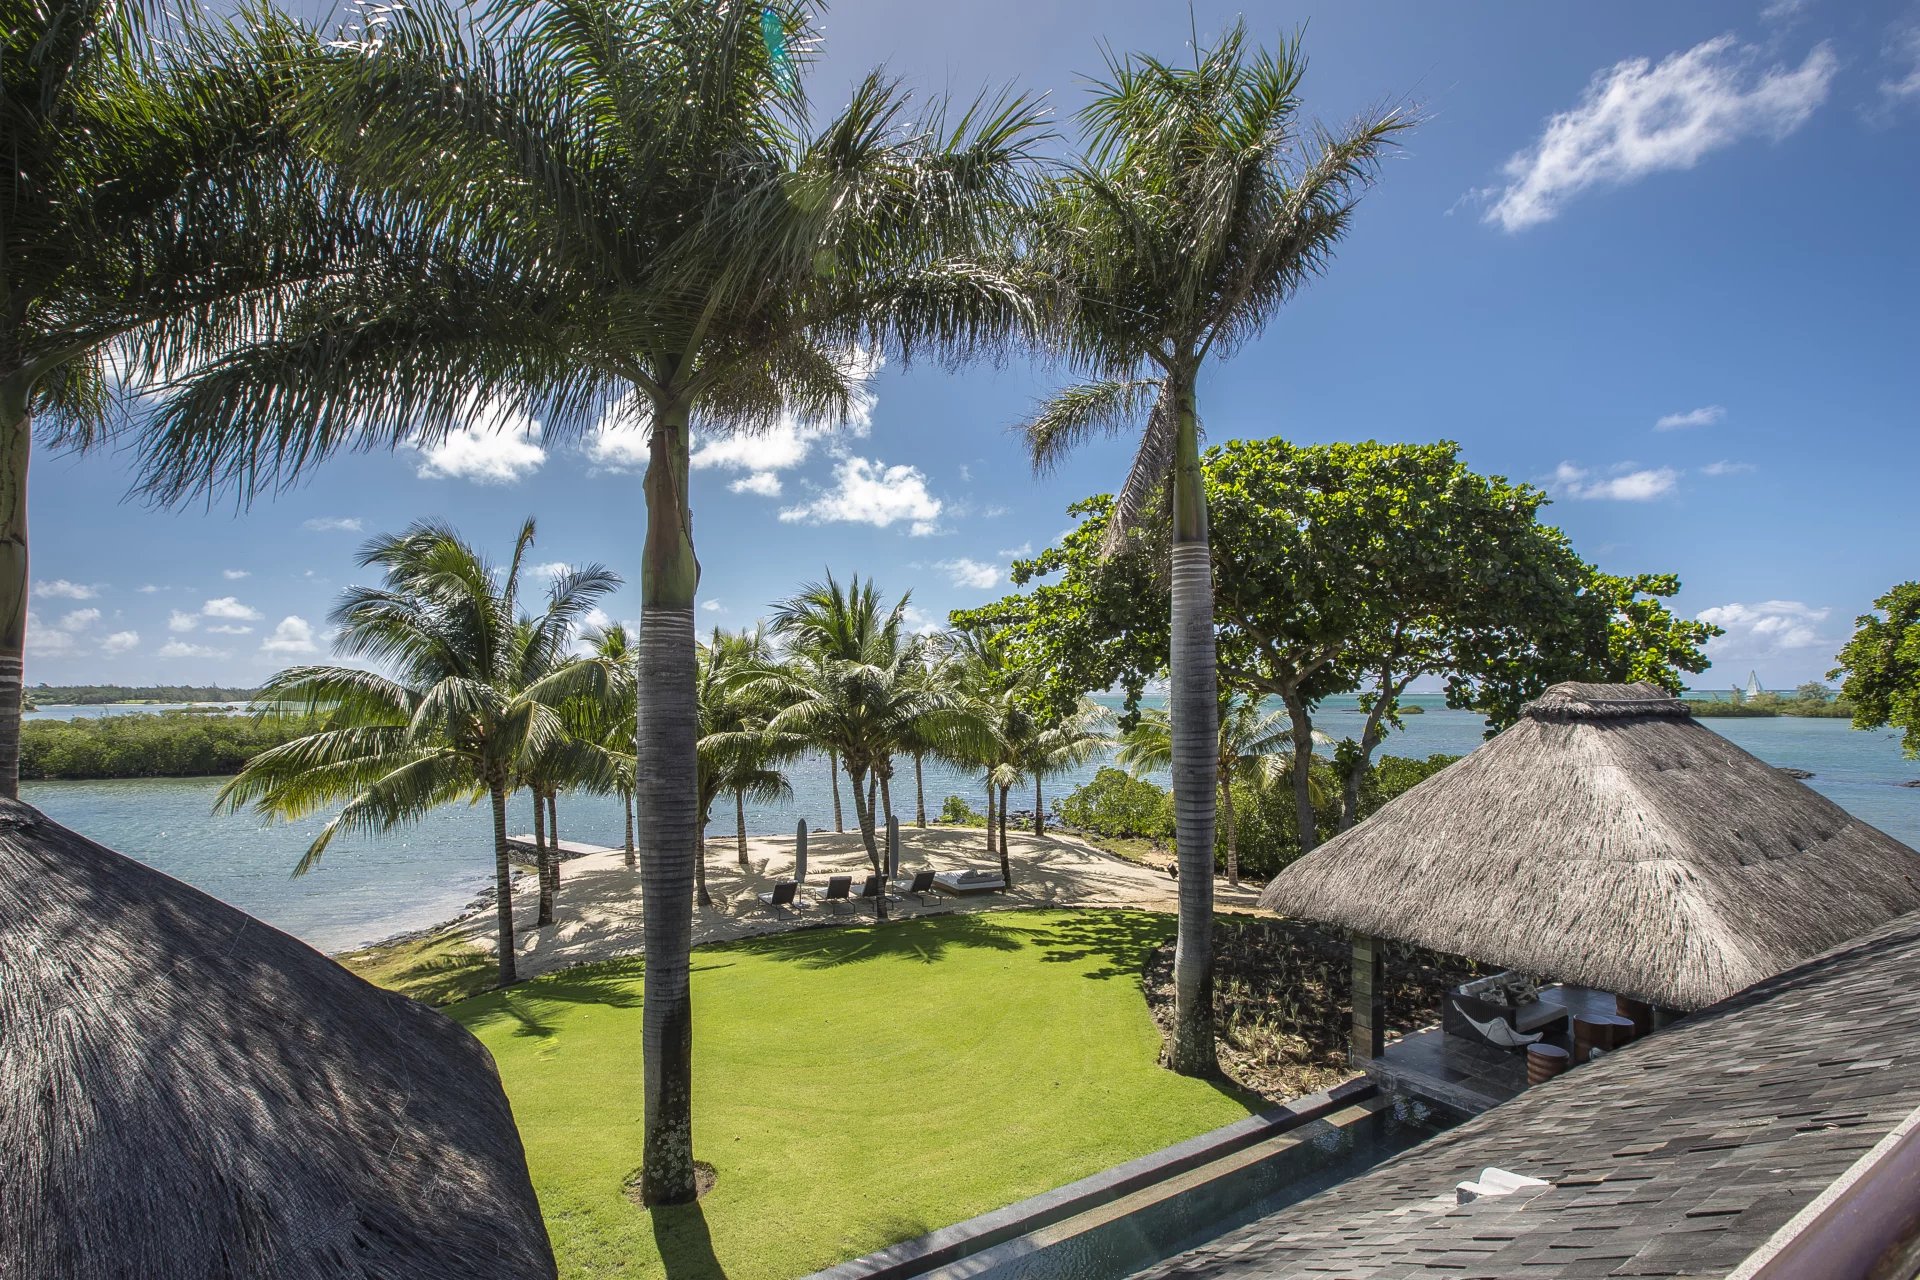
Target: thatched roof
x,y
187,1092
1610,841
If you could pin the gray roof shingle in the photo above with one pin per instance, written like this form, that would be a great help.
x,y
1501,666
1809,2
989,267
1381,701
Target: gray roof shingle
x,y
1679,1155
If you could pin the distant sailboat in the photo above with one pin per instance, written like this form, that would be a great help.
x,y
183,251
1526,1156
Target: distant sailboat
x,y
1753,689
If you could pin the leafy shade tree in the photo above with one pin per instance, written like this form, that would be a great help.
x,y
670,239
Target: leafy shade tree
x,y
1352,567
473,697
155,213
1201,207
1251,745
1880,667
619,214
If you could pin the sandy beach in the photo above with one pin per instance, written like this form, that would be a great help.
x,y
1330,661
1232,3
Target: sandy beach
x,y
598,915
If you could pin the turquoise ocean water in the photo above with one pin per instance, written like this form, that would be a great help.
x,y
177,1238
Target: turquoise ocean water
x,y
369,888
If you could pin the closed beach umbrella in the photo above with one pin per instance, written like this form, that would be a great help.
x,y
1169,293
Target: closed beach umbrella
x,y
893,845
800,853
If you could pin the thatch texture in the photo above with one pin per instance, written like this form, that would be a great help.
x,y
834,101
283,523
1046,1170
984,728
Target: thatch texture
x,y
1610,841
185,1092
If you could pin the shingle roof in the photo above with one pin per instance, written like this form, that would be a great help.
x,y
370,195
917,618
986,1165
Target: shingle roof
x,y
1679,1155
1608,840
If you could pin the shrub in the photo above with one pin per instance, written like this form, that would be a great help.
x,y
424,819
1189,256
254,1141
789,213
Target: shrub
x,y
149,746
1116,803
957,811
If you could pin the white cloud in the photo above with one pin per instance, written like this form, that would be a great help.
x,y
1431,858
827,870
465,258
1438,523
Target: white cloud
x,y
294,635
870,492
1020,552
147,589
181,649
120,642
501,447
234,575
1903,47
79,620
552,569
1705,416
764,483
61,589
225,630
46,642
918,622
1767,629
993,513
1636,119
971,573
1726,467
183,622
1783,10
333,524
231,608
1624,484
713,606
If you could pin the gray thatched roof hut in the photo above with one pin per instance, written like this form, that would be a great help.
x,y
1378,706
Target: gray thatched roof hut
x,y
1610,841
187,1092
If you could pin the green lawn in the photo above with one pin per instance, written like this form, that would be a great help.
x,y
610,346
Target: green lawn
x,y
854,1086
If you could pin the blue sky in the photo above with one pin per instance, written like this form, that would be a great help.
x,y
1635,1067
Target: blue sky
x,y
1656,258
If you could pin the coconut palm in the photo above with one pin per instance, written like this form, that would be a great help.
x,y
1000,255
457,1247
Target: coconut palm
x,y
1252,744
1201,206
154,213
620,213
737,754
612,720
1063,742
473,697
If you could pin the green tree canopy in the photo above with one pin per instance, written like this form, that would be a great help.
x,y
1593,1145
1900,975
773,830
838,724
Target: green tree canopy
x,y
1881,666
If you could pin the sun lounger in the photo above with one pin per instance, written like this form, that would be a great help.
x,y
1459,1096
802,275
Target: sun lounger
x,y
961,883
783,896
836,894
920,886
871,891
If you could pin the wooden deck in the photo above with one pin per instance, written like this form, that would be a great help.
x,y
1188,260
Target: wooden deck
x,y
1467,1076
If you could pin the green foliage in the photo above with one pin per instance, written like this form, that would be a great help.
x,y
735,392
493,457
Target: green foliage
x,y
1881,667
95,695
957,811
1768,704
1116,803
141,745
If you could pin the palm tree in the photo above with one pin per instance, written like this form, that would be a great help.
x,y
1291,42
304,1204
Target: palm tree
x,y
615,210
472,700
1252,743
737,754
1197,212
1063,742
612,721
154,214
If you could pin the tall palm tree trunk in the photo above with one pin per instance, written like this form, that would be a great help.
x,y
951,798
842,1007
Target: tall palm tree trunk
x,y
1233,831
670,828
502,885
700,894
833,772
542,858
740,823
919,795
1006,864
16,451
1196,745
863,814
553,837
886,793
1039,813
990,844
627,804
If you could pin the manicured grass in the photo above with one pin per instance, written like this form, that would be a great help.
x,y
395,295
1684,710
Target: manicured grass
x,y
437,969
854,1086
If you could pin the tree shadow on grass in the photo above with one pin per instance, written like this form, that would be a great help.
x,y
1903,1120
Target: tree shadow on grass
x,y
927,939
614,984
1118,941
686,1246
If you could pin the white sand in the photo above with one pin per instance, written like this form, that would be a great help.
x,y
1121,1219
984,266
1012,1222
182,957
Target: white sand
x,y
597,916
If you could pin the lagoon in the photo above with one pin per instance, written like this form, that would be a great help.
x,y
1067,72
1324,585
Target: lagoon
x,y
368,888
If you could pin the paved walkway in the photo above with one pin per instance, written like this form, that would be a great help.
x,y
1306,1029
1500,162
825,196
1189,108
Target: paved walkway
x,y
598,912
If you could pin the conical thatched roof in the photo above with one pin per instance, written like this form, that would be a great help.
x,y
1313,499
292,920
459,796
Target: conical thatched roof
x,y
1610,841
187,1092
